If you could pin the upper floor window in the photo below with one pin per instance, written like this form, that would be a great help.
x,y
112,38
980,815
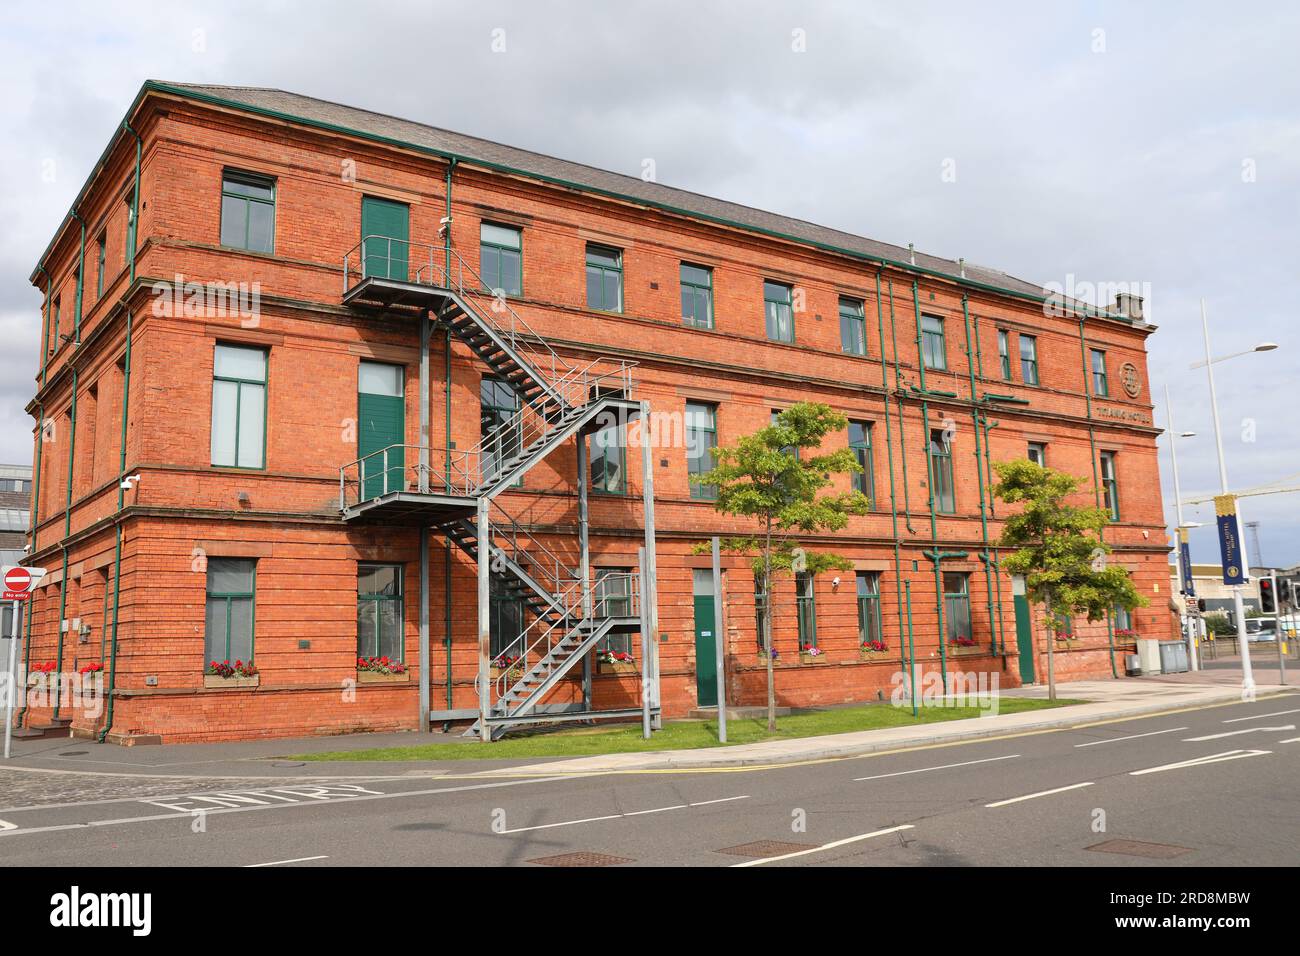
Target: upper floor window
x,y
1029,359
604,279
100,256
701,439
778,305
1110,484
239,406
860,445
247,211
608,461
1004,354
934,351
54,324
697,296
501,263
941,481
853,327
1038,453
1100,387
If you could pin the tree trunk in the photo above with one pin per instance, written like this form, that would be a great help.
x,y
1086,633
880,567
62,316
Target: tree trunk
x,y
767,631
1051,645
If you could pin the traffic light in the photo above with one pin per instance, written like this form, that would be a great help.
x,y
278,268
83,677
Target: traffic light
x,y
1267,599
1285,587
1200,605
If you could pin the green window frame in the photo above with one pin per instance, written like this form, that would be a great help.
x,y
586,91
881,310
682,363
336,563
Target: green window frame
x,y
1004,354
860,445
697,296
239,374
853,326
942,490
1100,386
506,620
1037,453
934,346
778,299
805,601
128,250
607,461
614,599
760,619
101,254
1110,484
868,592
247,211
1123,618
230,610
956,605
58,308
501,258
604,279
498,405
1028,359
701,434
381,611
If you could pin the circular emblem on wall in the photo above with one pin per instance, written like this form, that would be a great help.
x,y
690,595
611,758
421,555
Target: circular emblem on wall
x,y
1128,375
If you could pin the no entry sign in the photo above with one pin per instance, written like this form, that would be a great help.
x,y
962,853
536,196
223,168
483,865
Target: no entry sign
x,y
19,581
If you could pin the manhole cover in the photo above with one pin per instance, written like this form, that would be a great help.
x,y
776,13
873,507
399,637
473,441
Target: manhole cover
x,y
765,848
74,753
581,859
1151,851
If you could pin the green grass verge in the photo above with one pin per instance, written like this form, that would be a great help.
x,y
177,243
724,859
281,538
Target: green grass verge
x,y
680,734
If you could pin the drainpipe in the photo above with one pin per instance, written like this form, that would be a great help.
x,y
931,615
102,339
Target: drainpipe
x,y
935,555
902,439
67,532
889,447
971,360
1096,484
988,465
36,511
911,651
117,549
446,387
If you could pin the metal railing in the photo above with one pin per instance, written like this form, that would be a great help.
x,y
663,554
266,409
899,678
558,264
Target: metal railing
x,y
519,544
397,468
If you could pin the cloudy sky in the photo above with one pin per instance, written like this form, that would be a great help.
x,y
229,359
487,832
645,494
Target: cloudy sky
x,y
1153,143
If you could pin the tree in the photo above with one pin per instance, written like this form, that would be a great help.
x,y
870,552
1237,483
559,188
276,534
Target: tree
x,y
1059,549
775,477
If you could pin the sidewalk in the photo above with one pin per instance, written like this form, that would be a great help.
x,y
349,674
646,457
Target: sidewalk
x,y
263,759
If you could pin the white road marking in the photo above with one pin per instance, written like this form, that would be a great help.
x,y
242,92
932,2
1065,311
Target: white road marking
x,y
300,859
1115,740
6,825
619,816
1276,713
825,846
1290,740
1235,733
947,766
1213,758
1041,793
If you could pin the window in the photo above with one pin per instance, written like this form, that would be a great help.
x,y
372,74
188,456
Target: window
x,y
500,258
860,445
604,279
500,425
1109,484
701,439
128,250
775,419
1064,628
607,461
248,212
934,353
1038,453
614,599
1004,353
228,634
239,407
697,296
956,605
760,613
54,340
941,483
1123,618
505,620
806,608
777,299
869,628
853,327
1029,359
1100,386
100,254
379,611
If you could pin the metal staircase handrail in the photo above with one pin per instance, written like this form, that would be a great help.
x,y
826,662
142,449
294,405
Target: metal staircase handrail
x,y
559,573
460,479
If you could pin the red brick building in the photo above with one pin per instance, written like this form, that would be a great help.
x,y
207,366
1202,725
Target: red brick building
x,y
287,343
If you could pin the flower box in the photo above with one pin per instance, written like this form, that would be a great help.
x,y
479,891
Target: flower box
x,y
514,672
809,657
871,654
616,667
229,683
379,677
964,650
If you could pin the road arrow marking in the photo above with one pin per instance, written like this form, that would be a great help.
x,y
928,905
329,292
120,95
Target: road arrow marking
x,y
1234,733
1213,758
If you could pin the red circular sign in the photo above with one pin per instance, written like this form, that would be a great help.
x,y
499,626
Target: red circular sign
x,y
18,579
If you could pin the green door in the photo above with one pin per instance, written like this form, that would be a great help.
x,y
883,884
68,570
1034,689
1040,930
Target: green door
x,y
381,424
1024,630
706,654
385,229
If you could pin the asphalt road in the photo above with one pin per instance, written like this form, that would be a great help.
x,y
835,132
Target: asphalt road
x,y
1215,786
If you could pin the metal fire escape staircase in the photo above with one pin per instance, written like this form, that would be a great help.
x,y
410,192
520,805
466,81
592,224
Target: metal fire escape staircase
x,y
565,617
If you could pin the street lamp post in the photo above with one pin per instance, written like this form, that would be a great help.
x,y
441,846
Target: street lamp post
x,y
1183,573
